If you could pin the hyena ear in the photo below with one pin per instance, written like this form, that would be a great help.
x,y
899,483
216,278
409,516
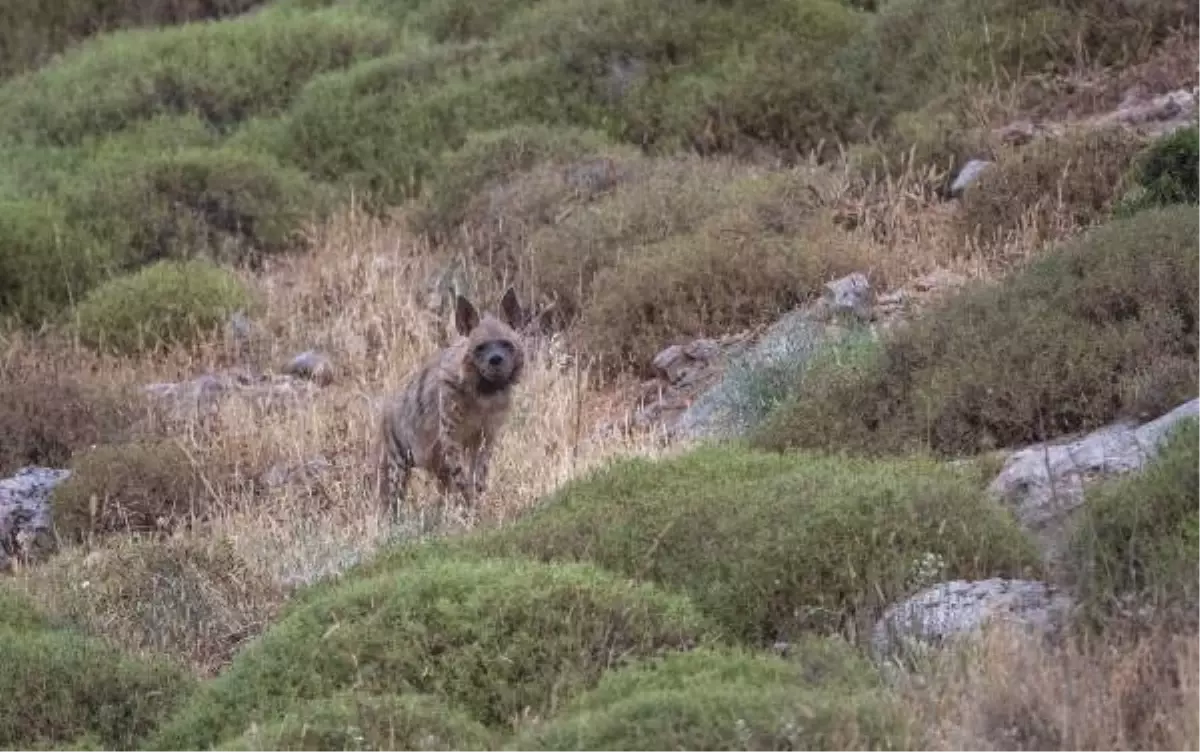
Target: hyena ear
x,y
511,308
466,317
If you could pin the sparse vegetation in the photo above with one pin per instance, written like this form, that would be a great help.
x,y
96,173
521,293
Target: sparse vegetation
x,y
643,174
1050,187
186,599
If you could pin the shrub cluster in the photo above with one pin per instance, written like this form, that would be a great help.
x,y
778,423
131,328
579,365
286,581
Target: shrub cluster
x,y
496,638
1101,328
770,546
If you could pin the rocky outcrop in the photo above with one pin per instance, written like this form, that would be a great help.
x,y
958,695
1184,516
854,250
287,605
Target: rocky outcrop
x,y
1044,484
26,531
952,610
202,395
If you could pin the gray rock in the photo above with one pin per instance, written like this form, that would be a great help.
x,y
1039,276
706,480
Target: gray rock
x,y
952,610
25,522
311,365
1044,484
850,296
201,396
967,175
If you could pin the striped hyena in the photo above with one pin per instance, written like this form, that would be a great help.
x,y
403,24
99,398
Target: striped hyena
x,y
447,417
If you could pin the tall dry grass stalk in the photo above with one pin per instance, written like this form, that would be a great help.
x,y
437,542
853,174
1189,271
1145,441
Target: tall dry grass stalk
x,y
1011,690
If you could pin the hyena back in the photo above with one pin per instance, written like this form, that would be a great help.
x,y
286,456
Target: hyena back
x,y
449,414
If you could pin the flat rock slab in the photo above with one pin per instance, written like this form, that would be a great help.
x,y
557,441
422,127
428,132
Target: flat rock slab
x,y
952,610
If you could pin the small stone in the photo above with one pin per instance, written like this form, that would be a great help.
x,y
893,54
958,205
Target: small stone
x,y
967,175
311,365
851,295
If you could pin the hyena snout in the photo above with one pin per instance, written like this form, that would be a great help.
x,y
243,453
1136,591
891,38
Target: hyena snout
x,y
496,361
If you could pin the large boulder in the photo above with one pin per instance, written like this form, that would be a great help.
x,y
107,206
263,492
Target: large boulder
x,y
1044,483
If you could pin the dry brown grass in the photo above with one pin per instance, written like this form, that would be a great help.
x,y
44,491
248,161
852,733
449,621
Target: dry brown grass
x,y
1009,690
362,297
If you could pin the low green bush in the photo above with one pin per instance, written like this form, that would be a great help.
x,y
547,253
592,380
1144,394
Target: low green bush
x,y
356,720
382,126
654,200
1136,541
768,545
1166,172
231,205
711,700
169,303
44,260
224,70
1101,328
59,686
32,32
496,637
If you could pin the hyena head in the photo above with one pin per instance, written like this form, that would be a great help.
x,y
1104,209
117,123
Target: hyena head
x,y
494,353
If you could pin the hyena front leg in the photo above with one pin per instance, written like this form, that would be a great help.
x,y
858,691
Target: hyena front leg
x,y
481,461
392,476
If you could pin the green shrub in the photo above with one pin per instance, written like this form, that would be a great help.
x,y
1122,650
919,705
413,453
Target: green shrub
x,y
44,260
771,545
165,304
703,75
383,125
59,686
31,31
168,204
1102,328
496,637
462,20
702,284
1166,172
225,71
141,486
489,157
195,600
1057,184
812,662
1138,536
912,52
707,700
355,720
